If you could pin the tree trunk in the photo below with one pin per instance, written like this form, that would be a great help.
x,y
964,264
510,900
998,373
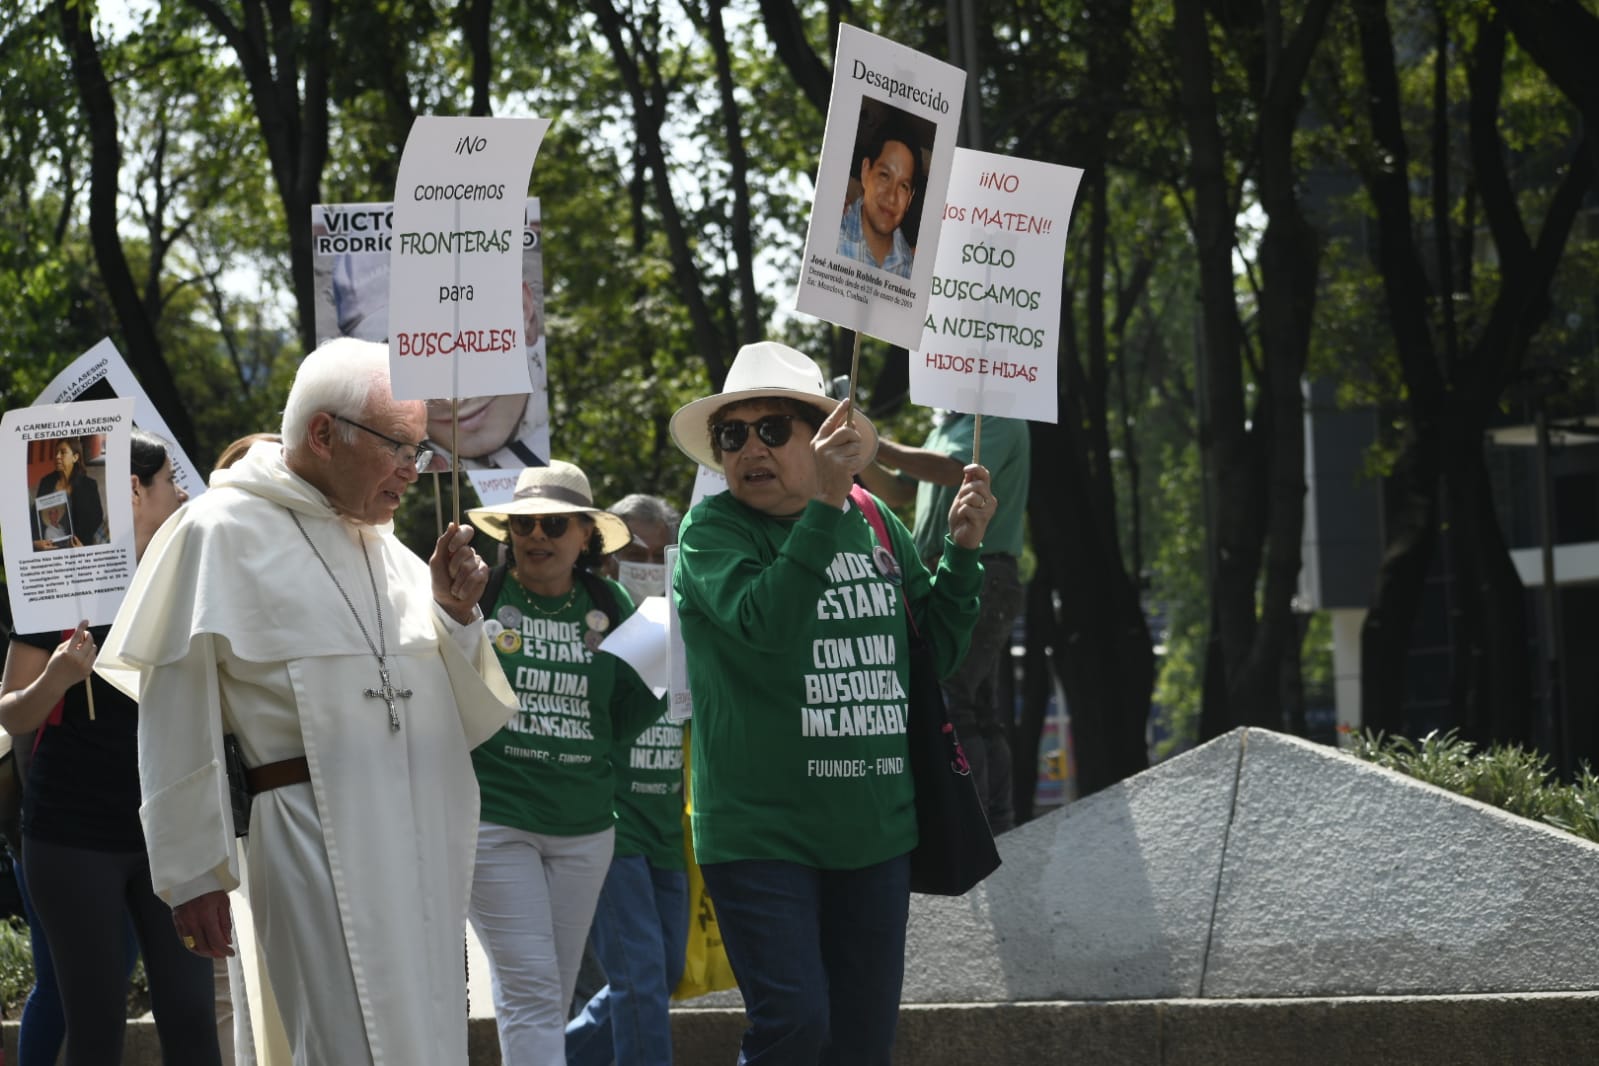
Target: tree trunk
x,y
648,116
286,67
1410,506
786,29
1037,675
1495,704
1103,654
1290,256
479,41
1226,456
142,347
1442,471
749,302
1412,493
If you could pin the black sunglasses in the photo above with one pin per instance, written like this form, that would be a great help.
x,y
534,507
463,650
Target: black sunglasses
x,y
733,434
555,525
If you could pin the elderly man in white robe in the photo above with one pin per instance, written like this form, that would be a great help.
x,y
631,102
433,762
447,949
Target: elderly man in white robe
x,y
279,607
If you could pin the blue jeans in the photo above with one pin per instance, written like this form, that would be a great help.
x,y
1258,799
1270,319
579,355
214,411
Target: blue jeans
x,y
819,956
640,934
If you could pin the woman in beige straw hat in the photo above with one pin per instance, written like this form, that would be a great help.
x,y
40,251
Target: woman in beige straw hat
x,y
794,623
547,831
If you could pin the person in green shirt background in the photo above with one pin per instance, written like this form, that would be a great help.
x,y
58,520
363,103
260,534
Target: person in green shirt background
x,y
794,627
640,928
547,779
932,475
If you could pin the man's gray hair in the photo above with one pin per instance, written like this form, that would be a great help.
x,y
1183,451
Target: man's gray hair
x,y
648,509
339,377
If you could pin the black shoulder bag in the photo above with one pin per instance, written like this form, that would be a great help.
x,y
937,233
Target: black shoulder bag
x,y
954,846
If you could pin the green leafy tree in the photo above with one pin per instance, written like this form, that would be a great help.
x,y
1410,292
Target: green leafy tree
x,y
1463,330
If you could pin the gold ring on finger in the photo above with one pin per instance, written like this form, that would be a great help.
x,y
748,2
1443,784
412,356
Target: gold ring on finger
x,y
188,942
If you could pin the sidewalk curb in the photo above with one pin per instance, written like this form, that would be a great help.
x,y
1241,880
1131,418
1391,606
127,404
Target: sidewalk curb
x,y
1465,1030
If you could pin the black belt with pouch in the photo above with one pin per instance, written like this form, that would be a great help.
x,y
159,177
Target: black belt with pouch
x,y
245,783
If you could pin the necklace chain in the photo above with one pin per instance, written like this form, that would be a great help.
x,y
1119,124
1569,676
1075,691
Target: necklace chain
x,y
570,596
380,650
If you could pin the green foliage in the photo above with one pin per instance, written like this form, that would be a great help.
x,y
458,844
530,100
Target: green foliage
x,y
16,965
1505,776
1178,580
204,233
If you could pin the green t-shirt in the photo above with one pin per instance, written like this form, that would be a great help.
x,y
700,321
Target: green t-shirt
x,y
549,769
1007,452
796,649
649,795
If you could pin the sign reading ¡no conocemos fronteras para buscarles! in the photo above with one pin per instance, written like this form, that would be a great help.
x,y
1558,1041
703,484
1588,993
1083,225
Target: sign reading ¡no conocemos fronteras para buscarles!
x,y
455,302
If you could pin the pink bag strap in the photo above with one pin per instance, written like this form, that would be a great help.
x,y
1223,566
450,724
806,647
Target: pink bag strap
x,y
54,717
874,518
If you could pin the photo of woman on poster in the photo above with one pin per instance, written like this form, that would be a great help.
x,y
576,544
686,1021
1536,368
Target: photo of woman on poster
x,y
68,511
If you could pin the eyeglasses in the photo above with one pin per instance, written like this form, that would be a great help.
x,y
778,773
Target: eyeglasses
x,y
413,453
774,431
555,525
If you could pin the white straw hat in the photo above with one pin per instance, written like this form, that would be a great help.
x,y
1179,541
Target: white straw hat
x,y
766,370
560,488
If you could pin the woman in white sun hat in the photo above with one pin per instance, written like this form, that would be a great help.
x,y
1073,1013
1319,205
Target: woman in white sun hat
x,y
547,831
793,618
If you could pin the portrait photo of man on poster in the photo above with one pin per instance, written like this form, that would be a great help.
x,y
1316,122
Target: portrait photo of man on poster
x,y
887,186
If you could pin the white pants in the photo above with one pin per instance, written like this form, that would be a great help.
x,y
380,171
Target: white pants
x,y
533,899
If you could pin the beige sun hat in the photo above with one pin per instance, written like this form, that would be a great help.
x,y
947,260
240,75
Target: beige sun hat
x,y
560,488
760,371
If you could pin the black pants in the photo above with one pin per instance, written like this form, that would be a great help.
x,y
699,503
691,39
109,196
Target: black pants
x,y
83,899
972,692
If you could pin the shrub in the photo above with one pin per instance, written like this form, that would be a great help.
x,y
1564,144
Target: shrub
x,y
16,965
1506,776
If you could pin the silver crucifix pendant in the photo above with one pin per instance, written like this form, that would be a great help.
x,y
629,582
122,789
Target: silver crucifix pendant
x,y
388,694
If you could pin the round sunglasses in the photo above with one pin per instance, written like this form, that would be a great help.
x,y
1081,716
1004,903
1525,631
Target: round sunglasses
x,y
732,434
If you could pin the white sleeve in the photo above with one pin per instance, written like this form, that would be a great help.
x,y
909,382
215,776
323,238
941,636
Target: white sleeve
x,y
466,636
187,815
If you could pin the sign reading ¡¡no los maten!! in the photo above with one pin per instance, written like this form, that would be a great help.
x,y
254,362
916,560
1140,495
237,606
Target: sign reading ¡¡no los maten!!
x,y
989,340
455,302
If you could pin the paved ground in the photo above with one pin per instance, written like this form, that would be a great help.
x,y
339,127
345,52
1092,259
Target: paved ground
x,y
1550,1029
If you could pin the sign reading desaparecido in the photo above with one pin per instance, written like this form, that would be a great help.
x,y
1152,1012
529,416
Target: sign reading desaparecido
x,y
880,184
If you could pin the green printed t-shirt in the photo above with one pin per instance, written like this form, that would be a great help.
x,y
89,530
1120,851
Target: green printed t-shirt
x,y
649,795
549,769
1007,452
796,646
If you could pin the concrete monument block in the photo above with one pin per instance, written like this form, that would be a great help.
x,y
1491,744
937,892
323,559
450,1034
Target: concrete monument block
x,y
1258,866
1342,878
1108,898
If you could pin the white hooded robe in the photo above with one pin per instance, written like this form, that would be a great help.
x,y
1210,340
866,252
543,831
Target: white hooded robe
x,y
359,879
